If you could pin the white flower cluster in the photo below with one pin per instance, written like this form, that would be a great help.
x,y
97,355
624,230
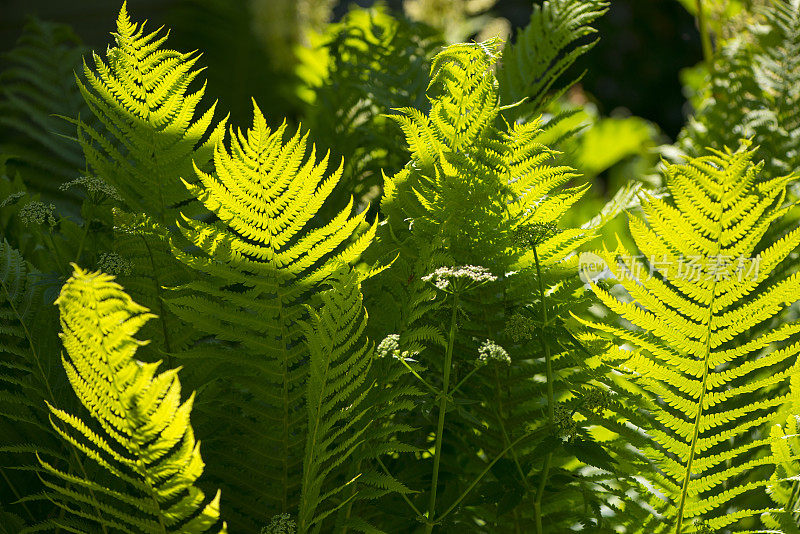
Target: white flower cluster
x,y
93,185
490,351
113,263
36,213
280,524
390,348
471,274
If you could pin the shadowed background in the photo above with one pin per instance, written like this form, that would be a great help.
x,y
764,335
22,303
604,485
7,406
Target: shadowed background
x,y
634,69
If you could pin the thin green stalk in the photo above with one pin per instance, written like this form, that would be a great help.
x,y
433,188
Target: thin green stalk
x,y
705,37
403,495
437,451
55,250
537,509
483,473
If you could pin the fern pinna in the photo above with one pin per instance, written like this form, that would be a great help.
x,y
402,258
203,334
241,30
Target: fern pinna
x,y
707,280
256,267
139,435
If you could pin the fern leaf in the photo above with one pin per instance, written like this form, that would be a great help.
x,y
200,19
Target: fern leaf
x,y
363,67
258,265
35,88
707,389
139,431
336,391
152,133
545,49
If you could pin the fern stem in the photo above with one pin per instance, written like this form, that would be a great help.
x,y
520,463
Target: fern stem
x,y
500,416
403,495
56,252
537,508
703,387
162,315
705,37
437,451
16,494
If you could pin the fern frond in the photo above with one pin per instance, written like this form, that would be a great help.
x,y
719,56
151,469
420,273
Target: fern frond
x,y
139,432
152,131
35,88
544,50
363,67
470,182
707,389
785,488
257,266
337,387
149,136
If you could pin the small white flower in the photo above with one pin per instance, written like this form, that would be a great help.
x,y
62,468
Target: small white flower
x,y
462,277
280,524
93,185
490,351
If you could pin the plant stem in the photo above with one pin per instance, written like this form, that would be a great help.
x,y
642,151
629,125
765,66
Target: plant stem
x,y
705,37
437,451
537,508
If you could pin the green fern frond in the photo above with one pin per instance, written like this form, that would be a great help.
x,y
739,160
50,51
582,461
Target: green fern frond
x,y
25,384
785,488
707,388
257,266
470,182
139,432
35,88
150,136
152,132
363,67
336,390
545,49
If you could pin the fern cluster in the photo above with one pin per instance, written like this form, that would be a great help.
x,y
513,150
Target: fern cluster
x,y
394,318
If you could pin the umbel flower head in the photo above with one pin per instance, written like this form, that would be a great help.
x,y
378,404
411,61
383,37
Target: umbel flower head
x,y
565,424
520,328
460,278
390,348
97,188
532,235
12,199
280,524
490,351
113,263
35,213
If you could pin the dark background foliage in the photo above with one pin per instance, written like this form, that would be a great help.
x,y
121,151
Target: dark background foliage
x,y
635,66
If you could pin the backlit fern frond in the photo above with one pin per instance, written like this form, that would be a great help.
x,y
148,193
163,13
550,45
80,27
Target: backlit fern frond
x,y
36,86
256,268
545,49
706,285
141,93
363,67
785,488
149,138
139,433
470,182
752,92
